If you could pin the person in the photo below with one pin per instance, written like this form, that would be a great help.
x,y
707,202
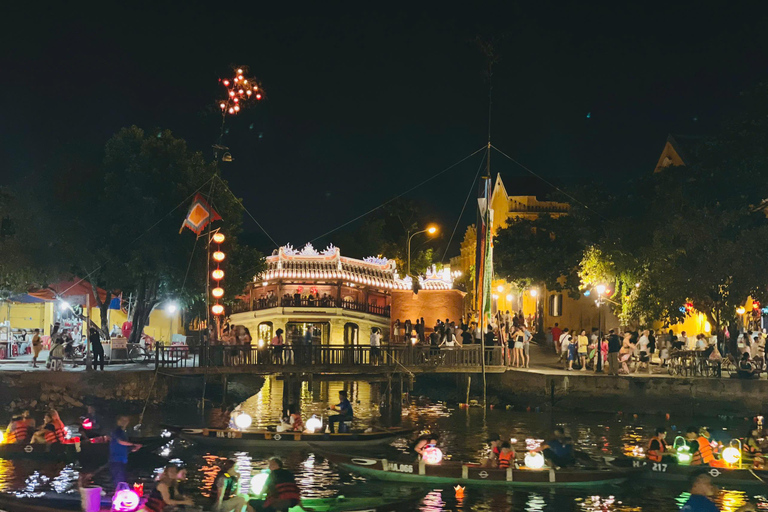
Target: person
x,y
37,346
47,433
20,429
490,342
702,492
165,492
565,340
753,448
614,346
558,450
477,332
527,346
294,418
396,331
56,355
583,344
746,369
226,487
119,447
97,349
644,352
625,353
375,345
281,489
556,332
506,455
494,440
658,451
573,351
344,410
95,421
277,346
466,337
424,440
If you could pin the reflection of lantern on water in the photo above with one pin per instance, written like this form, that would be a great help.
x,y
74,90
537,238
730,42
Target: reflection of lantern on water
x,y
314,424
459,492
125,500
243,420
432,455
534,460
258,481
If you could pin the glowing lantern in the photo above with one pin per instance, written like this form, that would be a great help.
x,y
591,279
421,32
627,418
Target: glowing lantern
x,y
314,424
218,256
237,108
432,455
2,437
232,93
258,481
223,105
534,460
243,420
125,500
139,489
217,292
218,237
741,311
217,274
258,96
226,82
731,455
217,309
239,71
683,454
249,92
87,424
231,111
459,492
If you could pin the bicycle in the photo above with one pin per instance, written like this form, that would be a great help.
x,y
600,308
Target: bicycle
x,y
138,354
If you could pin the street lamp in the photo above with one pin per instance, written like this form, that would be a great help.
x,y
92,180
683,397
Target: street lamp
x,y
536,317
431,230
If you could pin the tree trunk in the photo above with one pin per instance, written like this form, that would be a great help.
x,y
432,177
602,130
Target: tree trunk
x,y
146,299
103,310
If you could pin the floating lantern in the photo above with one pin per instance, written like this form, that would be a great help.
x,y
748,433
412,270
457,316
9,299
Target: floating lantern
x,y
138,489
314,424
125,500
217,292
218,237
243,420
432,455
258,481
217,309
218,256
459,492
217,274
731,455
534,460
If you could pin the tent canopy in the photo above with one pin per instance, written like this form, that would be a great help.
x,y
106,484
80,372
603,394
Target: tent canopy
x,y
74,291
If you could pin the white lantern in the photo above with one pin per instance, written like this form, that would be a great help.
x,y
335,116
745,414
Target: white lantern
x,y
314,424
243,420
258,481
432,455
534,460
731,455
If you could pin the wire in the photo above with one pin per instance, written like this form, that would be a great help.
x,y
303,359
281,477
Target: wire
x,y
189,265
549,183
469,194
398,196
246,211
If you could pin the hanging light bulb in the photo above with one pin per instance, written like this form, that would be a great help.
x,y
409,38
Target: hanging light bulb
x,y
218,292
226,82
231,111
237,108
231,93
217,274
218,237
249,92
217,309
223,106
218,256
258,96
239,71
237,100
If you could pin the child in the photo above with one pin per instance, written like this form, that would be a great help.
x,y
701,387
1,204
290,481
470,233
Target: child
x,y
57,355
506,456
573,351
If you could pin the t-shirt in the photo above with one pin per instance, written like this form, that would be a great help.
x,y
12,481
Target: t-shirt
x,y
642,344
699,503
556,332
583,343
565,339
375,339
558,448
614,343
344,407
118,452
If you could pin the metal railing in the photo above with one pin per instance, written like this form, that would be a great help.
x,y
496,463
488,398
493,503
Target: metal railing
x,y
326,356
320,302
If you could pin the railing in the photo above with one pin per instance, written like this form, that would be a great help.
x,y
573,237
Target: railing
x,y
343,357
320,302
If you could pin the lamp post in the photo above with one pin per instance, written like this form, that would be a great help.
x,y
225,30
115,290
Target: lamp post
x,y
599,301
170,308
535,294
431,230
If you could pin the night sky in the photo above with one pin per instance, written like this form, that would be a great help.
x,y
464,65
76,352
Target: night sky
x,y
363,104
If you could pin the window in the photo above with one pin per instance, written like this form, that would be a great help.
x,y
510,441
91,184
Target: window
x,y
556,304
265,332
351,334
296,332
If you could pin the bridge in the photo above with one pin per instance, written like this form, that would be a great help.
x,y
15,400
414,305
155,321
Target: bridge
x,y
328,359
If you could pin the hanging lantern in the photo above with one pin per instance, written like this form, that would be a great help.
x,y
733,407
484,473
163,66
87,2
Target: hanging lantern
x,y
218,237
218,256
218,292
217,274
217,309
314,424
731,455
432,455
534,460
243,420
459,490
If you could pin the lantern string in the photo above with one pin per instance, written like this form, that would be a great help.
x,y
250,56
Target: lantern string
x,y
240,202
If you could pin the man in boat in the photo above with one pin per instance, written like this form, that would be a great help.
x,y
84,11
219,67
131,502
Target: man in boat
x,y
493,459
93,419
119,447
701,450
20,429
344,409
658,450
282,491
225,490
558,451
702,492
506,456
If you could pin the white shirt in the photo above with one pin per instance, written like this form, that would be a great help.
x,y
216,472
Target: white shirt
x,y
642,344
565,339
375,339
701,344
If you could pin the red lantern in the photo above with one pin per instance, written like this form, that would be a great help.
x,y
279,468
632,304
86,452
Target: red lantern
x,y
217,309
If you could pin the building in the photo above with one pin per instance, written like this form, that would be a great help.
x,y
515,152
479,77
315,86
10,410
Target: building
x,y
337,299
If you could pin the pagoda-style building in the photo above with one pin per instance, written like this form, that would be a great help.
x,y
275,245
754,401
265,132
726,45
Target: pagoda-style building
x,y
338,299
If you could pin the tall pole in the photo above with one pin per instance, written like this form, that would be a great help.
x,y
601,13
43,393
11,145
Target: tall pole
x,y
599,365
409,247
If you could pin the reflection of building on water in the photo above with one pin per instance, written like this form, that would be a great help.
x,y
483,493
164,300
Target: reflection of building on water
x,y
324,296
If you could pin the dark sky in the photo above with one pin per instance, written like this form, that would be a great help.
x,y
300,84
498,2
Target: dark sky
x,y
363,104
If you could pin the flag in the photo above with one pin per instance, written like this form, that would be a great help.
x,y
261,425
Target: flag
x,y
484,254
200,215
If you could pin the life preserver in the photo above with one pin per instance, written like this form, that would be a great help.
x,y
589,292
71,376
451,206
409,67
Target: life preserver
x,y
505,459
155,503
704,454
50,434
654,455
285,488
18,432
61,431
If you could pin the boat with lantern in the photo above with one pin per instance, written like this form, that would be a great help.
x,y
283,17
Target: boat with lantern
x,y
264,438
94,450
461,473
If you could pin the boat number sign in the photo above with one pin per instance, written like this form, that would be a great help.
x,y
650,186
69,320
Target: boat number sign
x,y
399,468
229,434
657,466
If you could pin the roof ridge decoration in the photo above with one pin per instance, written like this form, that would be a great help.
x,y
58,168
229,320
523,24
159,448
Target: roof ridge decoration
x,y
376,260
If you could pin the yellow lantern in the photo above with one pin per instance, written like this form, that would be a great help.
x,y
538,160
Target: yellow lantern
x,y
217,274
218,237
217,309
218,256
217,292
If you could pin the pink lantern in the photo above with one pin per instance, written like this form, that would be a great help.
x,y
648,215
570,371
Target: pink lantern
x,y
125,500
432,455
87,424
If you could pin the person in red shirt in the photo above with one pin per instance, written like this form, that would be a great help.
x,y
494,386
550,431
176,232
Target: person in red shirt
x,y
556,332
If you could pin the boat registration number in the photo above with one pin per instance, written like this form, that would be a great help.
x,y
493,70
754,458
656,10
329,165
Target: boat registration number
x,y
228,434
399,468
658,466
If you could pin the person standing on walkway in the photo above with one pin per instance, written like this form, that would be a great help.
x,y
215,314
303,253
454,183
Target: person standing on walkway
x,y
277,346
565,340
37,346
583,345
614,346
527,336
375,345
556,333
97,349
119,448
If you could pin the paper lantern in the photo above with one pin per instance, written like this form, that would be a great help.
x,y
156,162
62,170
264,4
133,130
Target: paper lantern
x,y
459,492
314,424
258,481
432,455
243,420
87,424
219,237
125,500
731,455
218,292
218,256
217,274
534,460
217,309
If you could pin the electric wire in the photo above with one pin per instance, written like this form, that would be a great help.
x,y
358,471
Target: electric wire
x,y
399,195
469,194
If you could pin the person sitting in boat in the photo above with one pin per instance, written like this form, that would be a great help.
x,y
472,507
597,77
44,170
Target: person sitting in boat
x,y
20,429
294,418
226,487
753,448
423,441
559,450
493,459
92,422
47,433
281,489
506,456
344,409
220,416
164,495
658,450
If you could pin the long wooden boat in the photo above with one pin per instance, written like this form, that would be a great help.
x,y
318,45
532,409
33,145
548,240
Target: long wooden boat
x,y
452,473
658,471
92,451
226,438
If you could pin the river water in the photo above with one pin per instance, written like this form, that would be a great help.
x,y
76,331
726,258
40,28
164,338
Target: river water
x,y
462,432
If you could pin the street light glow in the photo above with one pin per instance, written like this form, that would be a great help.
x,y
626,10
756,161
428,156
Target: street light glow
x,y
500,288
534,292
171,308
600,289
432,230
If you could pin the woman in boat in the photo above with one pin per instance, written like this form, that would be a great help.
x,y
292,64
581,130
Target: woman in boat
x,y
163,496
753,449
423,441
294,418
20,429
282,491
225,489
47,433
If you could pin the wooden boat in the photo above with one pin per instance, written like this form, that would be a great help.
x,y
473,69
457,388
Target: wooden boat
x,y
226,438
93,452
452,473
658,471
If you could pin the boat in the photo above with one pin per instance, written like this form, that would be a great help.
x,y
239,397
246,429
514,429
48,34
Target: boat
x,y
230,438
94,451
662,471
452,473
